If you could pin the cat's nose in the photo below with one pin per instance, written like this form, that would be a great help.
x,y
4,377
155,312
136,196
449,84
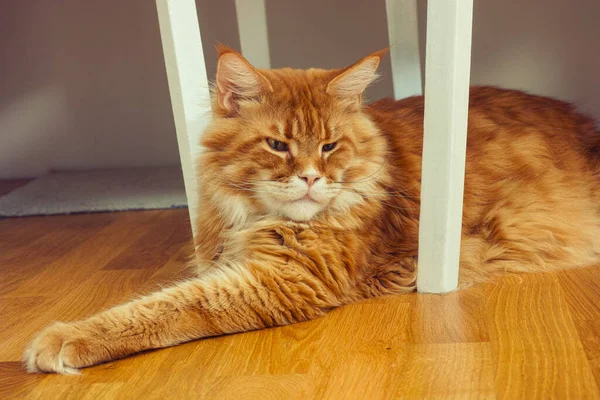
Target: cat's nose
x,y
310,179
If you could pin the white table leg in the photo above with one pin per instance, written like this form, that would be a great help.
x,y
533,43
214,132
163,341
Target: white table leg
x,y
252,26
403,36
188,85
447,70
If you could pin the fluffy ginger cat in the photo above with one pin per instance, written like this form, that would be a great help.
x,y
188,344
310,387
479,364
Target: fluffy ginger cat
x,y
309,200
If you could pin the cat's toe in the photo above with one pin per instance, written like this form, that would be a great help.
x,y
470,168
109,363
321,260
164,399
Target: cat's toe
x,y
51,351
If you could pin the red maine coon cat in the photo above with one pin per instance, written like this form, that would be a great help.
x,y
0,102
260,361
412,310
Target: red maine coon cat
x,y
309,200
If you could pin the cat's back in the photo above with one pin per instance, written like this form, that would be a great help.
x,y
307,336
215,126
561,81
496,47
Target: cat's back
x,y
497,117
532,181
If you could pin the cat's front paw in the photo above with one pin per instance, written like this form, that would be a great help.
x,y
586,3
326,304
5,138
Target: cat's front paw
x,y
61,348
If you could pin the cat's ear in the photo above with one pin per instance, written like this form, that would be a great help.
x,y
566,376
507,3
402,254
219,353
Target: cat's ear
x,y
237,80
352,81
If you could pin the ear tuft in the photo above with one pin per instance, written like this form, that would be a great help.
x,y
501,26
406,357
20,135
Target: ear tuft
x,y
237,80
353,80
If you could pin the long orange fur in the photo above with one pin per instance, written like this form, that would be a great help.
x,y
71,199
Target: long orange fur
x,y
269,255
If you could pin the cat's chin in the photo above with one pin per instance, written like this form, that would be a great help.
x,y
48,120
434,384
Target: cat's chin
x,y
301,210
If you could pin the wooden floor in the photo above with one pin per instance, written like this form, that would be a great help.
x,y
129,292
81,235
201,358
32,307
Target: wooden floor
x,y
531,336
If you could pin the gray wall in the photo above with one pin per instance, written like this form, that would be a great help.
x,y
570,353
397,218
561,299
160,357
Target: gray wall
x,y
83,85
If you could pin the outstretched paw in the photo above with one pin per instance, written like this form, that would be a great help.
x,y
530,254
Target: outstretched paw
x,y
60,348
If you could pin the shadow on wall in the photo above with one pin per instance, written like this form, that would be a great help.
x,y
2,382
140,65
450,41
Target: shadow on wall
x,y
29,126
106,58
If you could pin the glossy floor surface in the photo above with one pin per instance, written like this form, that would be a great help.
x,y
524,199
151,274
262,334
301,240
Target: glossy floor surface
x,y
528,336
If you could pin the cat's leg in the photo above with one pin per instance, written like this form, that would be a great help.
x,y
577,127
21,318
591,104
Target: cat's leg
x,y
236,298
395,277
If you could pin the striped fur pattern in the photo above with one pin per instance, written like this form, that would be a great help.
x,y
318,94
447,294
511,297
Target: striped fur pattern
x,y
309,200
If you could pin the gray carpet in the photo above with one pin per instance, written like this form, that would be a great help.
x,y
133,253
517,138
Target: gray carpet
x,y
97,191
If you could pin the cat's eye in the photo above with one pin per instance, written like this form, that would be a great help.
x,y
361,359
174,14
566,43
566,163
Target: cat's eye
x,y
329,146
277,145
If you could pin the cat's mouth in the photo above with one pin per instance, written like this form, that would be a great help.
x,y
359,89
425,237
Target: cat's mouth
x,y
305,199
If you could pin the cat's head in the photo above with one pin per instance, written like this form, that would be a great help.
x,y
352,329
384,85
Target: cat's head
x,y
291,143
